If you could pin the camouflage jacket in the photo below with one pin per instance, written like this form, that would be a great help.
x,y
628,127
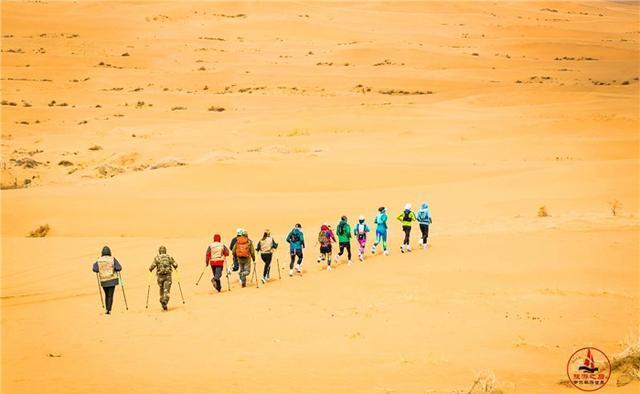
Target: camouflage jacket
x,y
163,264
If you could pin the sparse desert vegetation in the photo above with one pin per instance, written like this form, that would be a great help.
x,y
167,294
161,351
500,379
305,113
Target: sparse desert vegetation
x,y
40,232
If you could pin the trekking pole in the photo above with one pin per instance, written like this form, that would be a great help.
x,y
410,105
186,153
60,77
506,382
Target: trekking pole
x,y
123,292
279,274
255,273
148,288
100,290
205,267
179,287
226,270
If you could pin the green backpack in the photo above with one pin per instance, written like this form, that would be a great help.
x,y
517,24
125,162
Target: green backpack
x,y
164,265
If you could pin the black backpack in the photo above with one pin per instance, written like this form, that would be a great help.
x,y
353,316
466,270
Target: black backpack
x,y
407,216
341,227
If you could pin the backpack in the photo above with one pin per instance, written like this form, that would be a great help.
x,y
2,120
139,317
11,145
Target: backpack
x,y
294,237
266,245
242,247
163,264
106,268
341,227
407,216
361,228
323,238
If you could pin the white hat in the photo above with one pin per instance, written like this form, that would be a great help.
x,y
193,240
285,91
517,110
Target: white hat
x,y
407,205
361,217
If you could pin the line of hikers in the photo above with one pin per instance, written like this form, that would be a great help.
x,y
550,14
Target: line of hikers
x,y
243,252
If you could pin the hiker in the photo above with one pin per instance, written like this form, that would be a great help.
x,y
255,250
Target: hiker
x,y
266,246
360,230
245,252
344,238
164,265
233,242
217,253
296,244
107,268
325,239
381,231
424,220
407,217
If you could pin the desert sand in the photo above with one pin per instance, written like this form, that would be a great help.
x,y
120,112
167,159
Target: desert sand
x,y
140,124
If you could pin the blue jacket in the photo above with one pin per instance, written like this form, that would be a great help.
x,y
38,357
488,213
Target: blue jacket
x,y
381,221
424,216
296,245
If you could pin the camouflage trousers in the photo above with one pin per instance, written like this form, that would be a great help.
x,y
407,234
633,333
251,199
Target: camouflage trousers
x,y
245,271
164,282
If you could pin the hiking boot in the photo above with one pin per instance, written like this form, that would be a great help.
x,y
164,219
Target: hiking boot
x,y
290,272
244,284
361,257
298,268
386,252
402,249
164,306
108,313
409,248
349,263
373,250
328,268
264,280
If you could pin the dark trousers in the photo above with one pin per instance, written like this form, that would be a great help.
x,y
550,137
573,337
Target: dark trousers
x,y
343,246
236,265
108,296
217,274
424,228
266,257
294,253
407,234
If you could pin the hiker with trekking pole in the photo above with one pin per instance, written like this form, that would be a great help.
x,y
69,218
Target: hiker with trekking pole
x,y
107,270
164,265
266,246
215,257
244,250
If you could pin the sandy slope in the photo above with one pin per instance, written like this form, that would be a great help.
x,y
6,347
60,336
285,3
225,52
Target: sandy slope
x,y
488,110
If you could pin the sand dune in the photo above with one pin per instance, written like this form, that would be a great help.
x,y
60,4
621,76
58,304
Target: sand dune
x,y
146,123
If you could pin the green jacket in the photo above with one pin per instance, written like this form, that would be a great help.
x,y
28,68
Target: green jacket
x,y
411,216
346,235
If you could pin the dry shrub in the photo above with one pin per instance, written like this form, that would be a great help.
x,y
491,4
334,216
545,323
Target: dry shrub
x,y
627,362
615,205
542,212
485,382
95,147
40,232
